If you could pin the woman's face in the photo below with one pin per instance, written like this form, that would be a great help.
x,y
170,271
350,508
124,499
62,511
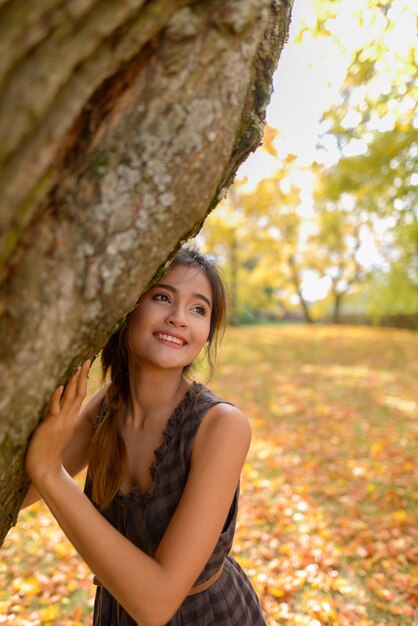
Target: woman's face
x,y
171,323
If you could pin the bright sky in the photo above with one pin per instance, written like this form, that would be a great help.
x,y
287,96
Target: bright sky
x,y
301,95
306,81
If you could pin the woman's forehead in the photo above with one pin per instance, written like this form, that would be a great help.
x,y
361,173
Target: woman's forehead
x,y
188,276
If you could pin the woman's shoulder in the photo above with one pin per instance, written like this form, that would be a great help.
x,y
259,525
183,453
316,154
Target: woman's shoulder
x,y
222,415
204,395
224,430
227,415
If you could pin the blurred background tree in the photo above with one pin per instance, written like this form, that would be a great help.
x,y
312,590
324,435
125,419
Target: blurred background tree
x,y
335,236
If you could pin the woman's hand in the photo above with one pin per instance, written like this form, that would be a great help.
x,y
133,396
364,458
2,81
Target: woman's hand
x,y
51,437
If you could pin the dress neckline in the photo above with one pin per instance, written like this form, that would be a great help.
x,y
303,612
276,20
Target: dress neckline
x,y
135,495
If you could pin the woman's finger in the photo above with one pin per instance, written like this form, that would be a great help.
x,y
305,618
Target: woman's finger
x,y
70,391
81,390
55,406
76,389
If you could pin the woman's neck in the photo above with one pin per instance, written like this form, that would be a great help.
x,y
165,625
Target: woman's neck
x,y
153,392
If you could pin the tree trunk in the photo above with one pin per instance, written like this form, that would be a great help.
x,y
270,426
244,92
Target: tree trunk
x,y
121,126
337,307
233,286
305,308
294,276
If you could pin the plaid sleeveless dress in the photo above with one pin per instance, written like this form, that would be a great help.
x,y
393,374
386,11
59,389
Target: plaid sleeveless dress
x,y
144,517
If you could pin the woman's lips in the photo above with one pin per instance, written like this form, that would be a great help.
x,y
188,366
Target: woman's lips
x,y
176,340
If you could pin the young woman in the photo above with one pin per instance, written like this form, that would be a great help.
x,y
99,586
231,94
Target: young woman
x,y
156,521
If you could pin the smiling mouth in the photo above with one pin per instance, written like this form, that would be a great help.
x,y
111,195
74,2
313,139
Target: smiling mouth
x,y
171,339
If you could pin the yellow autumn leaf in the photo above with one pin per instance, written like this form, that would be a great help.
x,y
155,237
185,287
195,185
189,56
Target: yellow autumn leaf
x,y
72,585
277,593
61,549
400,516
48,614
377,448
29,586
270,135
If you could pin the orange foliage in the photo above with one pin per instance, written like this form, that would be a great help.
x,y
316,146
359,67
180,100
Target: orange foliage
x,y
328,517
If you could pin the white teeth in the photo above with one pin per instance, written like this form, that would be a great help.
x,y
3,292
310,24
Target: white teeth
x,y
176,340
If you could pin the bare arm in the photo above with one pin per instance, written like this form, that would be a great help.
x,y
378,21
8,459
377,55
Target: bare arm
x,y
75,455
151,589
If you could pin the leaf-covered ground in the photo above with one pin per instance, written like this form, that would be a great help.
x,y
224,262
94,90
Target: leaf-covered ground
x,y
328,516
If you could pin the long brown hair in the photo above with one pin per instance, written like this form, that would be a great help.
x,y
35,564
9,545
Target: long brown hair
x,y
107,457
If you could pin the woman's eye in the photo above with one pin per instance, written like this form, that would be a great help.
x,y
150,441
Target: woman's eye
x,y
199,309
161,297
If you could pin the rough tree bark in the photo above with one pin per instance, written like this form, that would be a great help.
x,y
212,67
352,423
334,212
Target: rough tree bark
x,y
121,126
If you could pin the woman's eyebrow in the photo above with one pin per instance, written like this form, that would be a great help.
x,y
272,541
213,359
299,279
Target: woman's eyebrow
x,y
163,286
204,298
174,290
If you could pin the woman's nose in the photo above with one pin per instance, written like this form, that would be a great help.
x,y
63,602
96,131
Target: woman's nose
x,y
177,317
